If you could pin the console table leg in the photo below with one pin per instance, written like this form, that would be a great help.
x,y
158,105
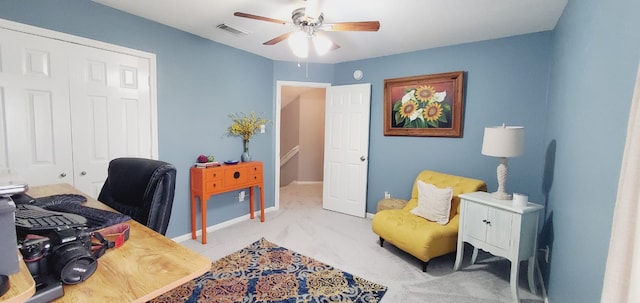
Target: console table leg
x,y
203,210
261,203
531,271
193,217
251,205
474,255
514,280
459,255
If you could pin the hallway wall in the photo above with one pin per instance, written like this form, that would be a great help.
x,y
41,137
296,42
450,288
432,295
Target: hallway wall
x,y
302,125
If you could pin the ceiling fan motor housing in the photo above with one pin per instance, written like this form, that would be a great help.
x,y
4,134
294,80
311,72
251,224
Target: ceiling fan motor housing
x,y
301,19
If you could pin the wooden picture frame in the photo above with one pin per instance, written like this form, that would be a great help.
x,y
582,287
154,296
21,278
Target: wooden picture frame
x,y
424,106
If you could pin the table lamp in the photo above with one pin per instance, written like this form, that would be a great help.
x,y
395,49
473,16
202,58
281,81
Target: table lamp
x,y
503,142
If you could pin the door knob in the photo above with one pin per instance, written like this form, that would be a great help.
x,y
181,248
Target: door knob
x,y
83,173
363,158
62,175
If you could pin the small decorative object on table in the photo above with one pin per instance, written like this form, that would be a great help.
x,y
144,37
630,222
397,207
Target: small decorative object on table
x,y
206,161
246,157
245,126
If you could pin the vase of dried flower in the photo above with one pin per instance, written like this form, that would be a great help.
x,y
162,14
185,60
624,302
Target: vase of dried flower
x,y
246,157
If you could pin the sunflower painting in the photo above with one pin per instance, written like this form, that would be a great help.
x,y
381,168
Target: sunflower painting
x,y
429,105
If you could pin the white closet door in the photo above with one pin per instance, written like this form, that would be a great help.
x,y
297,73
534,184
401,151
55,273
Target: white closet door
x,y
34,108
67,109
110,112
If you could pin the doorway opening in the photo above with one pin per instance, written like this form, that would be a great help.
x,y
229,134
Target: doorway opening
x,y
299,125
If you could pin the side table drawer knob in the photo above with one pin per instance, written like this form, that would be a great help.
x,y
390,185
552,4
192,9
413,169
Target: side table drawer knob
x,y
236,175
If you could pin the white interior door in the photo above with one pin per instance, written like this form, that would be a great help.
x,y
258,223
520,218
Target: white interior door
x,y
346,148
110,112
34,96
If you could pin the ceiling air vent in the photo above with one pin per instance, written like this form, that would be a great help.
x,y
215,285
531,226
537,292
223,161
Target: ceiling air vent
x,y
232,30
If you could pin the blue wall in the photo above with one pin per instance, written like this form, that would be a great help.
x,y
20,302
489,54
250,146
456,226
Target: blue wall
x,y
493,95
596,51
570,89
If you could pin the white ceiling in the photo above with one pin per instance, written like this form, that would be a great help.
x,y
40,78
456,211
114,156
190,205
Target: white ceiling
x,y
405,25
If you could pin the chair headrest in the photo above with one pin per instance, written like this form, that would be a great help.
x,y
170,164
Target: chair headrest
x,y
133,179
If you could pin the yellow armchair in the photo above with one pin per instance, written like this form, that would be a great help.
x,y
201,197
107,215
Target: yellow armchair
x,y
420,237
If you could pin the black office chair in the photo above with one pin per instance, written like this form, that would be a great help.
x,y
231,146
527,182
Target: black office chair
x,y
141,188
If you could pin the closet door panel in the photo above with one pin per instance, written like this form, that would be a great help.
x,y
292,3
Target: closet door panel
x,y
97,112
41,126
35,96
111,113
4,161
131,127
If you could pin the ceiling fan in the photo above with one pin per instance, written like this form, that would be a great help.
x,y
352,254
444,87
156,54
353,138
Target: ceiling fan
x,y
309,22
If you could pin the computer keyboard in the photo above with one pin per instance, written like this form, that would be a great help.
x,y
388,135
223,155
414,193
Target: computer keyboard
x,y
31,218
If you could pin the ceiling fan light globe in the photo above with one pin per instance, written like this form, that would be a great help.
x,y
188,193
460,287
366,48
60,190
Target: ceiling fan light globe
x,y
322,44
301,53
299,44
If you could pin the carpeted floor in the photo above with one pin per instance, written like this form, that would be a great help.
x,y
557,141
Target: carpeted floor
x,y
347,243
266,272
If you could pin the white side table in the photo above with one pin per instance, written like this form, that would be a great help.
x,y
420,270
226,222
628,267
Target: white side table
x,y
502,229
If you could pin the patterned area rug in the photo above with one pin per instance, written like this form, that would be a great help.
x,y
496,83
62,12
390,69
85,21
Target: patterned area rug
x,y
265,272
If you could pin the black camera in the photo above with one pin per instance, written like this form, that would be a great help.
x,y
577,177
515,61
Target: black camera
x,y
64,253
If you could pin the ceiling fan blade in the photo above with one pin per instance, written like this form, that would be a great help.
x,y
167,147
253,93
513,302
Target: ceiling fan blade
x,y
364,26
278,39
261,18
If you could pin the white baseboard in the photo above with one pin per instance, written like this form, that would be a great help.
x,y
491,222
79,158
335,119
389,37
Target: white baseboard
x,y
224,224
369,215
306,182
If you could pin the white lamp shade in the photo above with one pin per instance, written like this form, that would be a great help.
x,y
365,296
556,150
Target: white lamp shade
x,y
299,43
503,141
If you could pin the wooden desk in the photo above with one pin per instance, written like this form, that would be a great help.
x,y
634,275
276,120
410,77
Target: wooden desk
x,y
206,182
22,286
145,267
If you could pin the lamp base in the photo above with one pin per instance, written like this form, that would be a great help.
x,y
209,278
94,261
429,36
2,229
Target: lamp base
x,y
501,195
502,172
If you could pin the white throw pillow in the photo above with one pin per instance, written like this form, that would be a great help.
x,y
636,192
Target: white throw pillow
x,y
434,203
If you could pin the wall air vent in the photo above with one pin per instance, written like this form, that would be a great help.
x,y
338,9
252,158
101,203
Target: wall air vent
x,y
232,30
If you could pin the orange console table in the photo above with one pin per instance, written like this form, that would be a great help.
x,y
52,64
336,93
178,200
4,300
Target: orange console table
x,y
209,181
